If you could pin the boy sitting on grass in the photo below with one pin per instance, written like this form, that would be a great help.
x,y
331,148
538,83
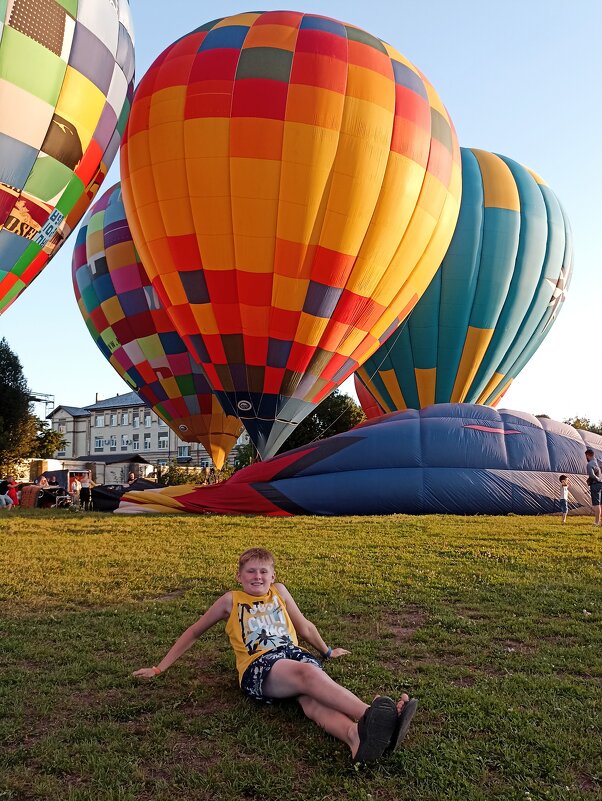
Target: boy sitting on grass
x,y
263,622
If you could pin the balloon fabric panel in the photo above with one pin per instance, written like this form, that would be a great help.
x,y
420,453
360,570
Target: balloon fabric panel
x,y
494,299
66,82
292,184
368,403
133,331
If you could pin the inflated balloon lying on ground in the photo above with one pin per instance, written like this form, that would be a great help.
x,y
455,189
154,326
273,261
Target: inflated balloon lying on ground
x,y
67,72
492,302
292,184
445,459
132,330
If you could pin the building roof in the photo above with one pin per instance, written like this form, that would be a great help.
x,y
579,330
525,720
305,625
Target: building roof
x,y
74,411
117,402
111,458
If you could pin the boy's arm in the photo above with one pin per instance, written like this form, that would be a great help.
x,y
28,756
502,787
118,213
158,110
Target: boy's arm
x,y
305,628
220,610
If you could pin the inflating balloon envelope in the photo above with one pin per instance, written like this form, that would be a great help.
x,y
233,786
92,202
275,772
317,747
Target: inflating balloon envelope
x,y
131,328
292,184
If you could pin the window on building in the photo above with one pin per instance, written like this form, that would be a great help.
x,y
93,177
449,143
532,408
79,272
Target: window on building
x,y
98,443
163,441
99,421
62,428
113,442
113,419
147,442
147,421
125,441
183,451
162,423
136,442
136,421
125,419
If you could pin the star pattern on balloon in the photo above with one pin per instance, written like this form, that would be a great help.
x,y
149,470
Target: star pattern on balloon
x,y
559,290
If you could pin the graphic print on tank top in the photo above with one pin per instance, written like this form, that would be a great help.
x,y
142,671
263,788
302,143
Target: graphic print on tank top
x,y
263,626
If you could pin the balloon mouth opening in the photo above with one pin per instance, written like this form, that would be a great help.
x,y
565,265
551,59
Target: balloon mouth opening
x,y
183,428
244,406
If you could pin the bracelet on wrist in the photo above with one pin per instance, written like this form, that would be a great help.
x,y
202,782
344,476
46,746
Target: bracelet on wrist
x,y
156,670
327,653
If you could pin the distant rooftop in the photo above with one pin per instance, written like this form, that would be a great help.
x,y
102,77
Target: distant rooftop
x,y
117,402
111,458
74,411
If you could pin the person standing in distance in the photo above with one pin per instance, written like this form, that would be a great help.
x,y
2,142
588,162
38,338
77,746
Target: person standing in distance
x,y
594,480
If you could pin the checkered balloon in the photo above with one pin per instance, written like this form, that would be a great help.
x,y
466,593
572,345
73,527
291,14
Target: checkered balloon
x,y
131,328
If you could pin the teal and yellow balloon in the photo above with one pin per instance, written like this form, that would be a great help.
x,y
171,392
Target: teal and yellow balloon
x,y
66,84
492,302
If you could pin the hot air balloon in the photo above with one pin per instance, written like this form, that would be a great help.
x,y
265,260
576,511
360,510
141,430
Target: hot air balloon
x,y
292,184
67,71
449,458
132,330
496,296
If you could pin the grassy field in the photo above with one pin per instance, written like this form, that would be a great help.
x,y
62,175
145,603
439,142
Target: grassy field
x,y
492,623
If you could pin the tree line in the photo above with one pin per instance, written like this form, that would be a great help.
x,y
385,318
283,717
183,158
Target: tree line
x,y
22,434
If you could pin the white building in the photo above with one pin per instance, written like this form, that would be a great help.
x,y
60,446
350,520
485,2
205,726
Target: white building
x,y
122,427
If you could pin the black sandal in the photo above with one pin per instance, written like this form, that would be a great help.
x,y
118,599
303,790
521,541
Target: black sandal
x,y
402,725
376,729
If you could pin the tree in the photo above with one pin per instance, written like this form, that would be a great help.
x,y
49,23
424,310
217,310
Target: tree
x,y
22,435
44,441
585,424
337,413
245,455
14,407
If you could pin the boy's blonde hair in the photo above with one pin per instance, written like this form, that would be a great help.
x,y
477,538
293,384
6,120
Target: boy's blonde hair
x,y
261,554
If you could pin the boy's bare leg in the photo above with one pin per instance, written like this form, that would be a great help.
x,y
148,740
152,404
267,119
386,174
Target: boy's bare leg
x,y
331,706
288,679
334,723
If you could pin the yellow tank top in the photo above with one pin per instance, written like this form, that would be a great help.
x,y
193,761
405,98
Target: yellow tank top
x,y
258,624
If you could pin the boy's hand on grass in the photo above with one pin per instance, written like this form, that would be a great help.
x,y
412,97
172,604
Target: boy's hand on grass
x,y
145,673
336,652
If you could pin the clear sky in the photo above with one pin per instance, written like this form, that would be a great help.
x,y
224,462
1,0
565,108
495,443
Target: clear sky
x,y
520,78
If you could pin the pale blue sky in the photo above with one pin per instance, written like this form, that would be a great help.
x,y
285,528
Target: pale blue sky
x,y
521,78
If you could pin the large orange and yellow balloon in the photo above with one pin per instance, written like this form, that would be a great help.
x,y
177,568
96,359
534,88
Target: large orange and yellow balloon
x,y
132,330
66,83
292,184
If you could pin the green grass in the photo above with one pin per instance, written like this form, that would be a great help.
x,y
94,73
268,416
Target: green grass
x,y
492,623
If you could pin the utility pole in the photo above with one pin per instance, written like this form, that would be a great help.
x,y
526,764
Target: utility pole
x,y
42,397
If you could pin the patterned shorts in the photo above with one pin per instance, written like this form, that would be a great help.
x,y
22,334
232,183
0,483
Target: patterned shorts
x,y
259,670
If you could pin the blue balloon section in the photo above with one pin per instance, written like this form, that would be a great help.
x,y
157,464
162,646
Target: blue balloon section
x,y
447,458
